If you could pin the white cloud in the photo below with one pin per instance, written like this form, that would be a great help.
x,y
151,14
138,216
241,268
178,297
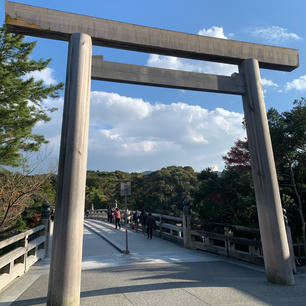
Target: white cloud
x,y
132,134
44,75
268,83
297,84
170,62
274,34
213,32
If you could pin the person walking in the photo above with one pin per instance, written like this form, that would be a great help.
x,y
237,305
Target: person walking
x,y
117,218
143,220
109,214
150,225
136,219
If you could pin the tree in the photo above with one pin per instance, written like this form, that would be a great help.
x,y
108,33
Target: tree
x,y
226,198
238,156
17,192
20,98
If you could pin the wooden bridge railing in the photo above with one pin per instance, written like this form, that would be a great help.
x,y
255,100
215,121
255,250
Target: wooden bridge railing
x,y
18,253
229,240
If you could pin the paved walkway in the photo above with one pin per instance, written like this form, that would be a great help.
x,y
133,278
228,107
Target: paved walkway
x,y
156,272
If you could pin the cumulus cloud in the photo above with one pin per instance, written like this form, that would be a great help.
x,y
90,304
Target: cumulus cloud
x,y
297,84
213,32
45,75
133,134
273,34
170,62
268,83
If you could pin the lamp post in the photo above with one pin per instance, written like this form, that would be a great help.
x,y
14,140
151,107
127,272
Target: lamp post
x,y
125,190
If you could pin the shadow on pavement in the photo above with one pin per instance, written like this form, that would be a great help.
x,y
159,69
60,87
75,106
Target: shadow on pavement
x,y
197,277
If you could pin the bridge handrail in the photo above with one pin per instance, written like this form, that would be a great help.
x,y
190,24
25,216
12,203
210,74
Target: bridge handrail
x,y
28,250
166,230
223,243
173,218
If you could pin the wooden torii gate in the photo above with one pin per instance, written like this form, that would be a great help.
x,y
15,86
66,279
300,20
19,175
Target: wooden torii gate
x,y
83,31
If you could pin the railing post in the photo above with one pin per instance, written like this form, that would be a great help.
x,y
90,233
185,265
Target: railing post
x,y
45,220
292,256
187,225
26,242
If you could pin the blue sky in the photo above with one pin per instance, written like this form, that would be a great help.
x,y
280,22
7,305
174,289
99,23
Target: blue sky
x,y
138,128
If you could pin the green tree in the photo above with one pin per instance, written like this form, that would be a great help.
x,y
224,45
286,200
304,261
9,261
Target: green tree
x,y
21,98
226,198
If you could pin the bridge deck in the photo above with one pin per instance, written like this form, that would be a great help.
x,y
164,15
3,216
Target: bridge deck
x,y
156,272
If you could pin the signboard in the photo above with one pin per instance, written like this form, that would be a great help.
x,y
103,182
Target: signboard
x,y
125,188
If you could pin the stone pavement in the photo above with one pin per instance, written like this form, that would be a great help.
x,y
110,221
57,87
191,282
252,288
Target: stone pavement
x,y
156,272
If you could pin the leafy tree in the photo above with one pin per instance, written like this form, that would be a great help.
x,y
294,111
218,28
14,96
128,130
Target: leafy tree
x,y
17,192
226,198
20,98
238,156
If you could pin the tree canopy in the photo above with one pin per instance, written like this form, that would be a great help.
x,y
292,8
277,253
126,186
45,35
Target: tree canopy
x,y
21,98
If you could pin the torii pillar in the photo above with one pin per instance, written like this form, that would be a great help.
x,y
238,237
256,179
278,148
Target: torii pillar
x,y
66,261
269,208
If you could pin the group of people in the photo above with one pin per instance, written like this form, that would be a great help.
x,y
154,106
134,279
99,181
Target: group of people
x,y
137,218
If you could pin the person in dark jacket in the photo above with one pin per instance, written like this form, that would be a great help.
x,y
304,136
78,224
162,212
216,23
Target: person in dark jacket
x,y
143,220
150,222
136,217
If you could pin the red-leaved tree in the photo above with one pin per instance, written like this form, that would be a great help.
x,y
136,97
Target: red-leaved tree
x,y
238,156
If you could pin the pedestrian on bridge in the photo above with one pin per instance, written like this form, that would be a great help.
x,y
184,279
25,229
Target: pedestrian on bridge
x,y
151,224
109,214
143,220
117,218
136,219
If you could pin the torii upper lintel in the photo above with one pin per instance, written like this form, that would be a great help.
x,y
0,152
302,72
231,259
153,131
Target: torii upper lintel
x,y
47,23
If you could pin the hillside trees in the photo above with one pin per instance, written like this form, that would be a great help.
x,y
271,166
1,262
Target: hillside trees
x,y
161,191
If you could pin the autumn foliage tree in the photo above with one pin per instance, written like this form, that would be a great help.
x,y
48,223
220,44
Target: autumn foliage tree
x,y
238,156
16,194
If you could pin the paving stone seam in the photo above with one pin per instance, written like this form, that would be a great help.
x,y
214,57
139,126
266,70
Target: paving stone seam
x,y
89,227
202,301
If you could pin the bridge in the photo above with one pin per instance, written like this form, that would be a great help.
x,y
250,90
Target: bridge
x,y
155,272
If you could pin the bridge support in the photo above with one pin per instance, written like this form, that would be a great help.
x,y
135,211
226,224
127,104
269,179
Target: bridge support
x,y
65,268
271,222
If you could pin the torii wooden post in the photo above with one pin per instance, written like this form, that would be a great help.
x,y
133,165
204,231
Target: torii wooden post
x,y
64,286
66,260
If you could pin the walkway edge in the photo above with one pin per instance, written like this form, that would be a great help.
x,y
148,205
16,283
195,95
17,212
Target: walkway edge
x,y
103,237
